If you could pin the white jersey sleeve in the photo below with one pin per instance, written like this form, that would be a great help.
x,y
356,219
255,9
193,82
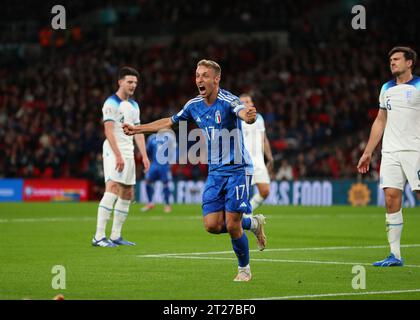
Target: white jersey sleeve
x,y
136,114
109,110
382,102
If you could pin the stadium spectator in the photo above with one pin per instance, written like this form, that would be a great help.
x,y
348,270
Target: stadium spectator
x,y
285,171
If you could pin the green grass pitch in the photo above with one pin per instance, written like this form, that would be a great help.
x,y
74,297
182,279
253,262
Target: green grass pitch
x,y
310,255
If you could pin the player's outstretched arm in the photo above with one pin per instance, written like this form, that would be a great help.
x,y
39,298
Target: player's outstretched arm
x,y
147,127
249,115
376,133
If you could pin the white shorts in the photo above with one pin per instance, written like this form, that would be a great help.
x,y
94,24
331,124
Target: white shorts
x,y
398,167
260,175
127,176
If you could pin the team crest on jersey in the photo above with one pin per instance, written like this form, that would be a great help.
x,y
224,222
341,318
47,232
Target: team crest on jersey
x,y
409,95
218,117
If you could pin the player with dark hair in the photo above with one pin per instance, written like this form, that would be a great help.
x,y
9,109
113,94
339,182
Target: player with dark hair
x,y
118,159
398,120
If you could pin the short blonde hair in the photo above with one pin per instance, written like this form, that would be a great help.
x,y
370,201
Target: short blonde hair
x,y
210,64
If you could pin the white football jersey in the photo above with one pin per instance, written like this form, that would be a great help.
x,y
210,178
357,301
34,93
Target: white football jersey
x,y
402,104
121,111
253,140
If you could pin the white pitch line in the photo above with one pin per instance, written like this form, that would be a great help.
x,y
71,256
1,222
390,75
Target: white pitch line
x,y
195,217
93,218
270,260
61,219
279,250
323,295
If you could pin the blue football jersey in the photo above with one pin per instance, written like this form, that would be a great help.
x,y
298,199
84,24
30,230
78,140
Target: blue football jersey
x,y
161,149
223,131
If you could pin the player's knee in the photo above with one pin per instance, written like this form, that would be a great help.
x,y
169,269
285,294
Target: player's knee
x,y
393,201
233,227
418,194
127,193
392,198
264,192
112,187
213,228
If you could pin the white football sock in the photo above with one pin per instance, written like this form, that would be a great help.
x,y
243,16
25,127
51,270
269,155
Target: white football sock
x,y
256,201
120,215
254,224
247,268
394,226
104,213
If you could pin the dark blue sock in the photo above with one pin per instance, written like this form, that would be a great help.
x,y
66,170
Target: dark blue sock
x,y
246,223
166,193
241,248
149,190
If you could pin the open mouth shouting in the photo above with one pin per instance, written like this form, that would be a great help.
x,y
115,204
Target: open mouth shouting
x,y
202,90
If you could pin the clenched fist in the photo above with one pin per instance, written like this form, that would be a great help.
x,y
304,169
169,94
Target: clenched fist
x,y
250,115
128,129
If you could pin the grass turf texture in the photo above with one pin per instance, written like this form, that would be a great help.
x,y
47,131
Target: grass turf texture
x,y
37,236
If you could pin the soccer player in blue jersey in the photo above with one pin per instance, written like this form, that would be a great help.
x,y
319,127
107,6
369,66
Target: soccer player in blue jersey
x,y
398,120
118,158
160,168
226,195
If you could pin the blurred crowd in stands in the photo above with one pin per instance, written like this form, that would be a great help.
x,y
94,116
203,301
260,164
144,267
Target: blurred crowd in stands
x,y
318,95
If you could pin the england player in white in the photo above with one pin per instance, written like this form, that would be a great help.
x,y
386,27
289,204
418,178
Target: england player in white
x,y
257,144
118,158
398,120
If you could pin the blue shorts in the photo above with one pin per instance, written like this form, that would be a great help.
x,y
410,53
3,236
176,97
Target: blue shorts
x,y
156,173
227,193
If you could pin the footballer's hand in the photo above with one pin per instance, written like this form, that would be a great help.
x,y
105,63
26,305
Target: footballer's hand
x,y
251,115
119,166
270,165
146,163
363,165
128,129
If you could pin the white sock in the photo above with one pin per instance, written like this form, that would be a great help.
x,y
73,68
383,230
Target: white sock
x,y
104,213
394,226
256,201
247,268
254,224
120,215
